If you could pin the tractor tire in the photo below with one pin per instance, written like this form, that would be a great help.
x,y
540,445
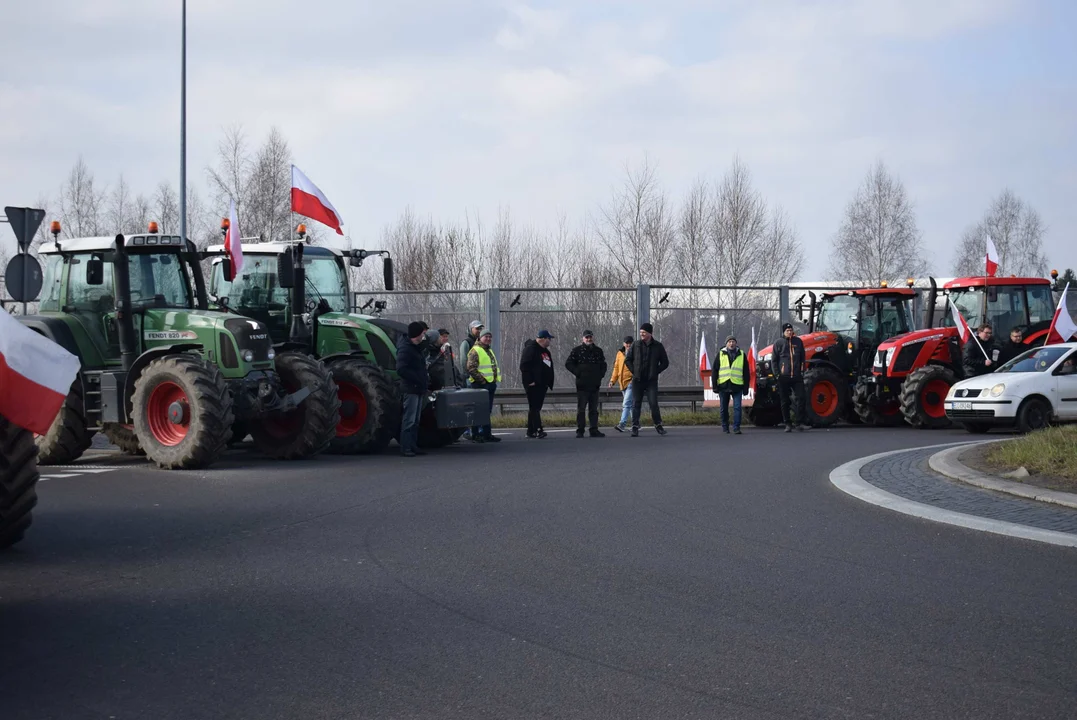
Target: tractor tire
x,y
68,437
182,412
923,397
826,395
18,481
766,416
123,437
309,428
369,407
882,414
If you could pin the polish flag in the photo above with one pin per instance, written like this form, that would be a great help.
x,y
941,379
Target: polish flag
x,y
992,258
232,245
704,358
35,376
308,200
963,328
1062,325
751,363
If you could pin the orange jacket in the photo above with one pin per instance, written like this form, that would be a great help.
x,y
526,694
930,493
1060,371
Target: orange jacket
x,y
621,374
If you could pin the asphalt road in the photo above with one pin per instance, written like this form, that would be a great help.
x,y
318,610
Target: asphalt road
x,y
694,575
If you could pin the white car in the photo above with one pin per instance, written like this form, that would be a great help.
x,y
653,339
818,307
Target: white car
x,y
1034,389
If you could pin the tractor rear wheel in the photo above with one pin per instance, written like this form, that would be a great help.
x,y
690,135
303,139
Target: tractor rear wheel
x,y
369,407
68,437
123,437
923,397
182,412
18,481
826,396
309,428
881,413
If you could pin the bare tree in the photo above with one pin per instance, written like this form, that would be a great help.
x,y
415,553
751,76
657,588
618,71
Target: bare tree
x,y
694,261
81,202
119,215
1017,231
228,180
782,253
141,211
636,227
166,207
269,209
879,239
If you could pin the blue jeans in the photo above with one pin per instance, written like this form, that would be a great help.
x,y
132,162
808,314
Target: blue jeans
x,y
626,405
485,430
409,425
723,398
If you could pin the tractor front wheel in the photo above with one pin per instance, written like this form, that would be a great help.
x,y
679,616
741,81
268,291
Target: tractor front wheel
x,y
68,437
18,481
369,407
182,412
827,396
309,428
923,397
882,412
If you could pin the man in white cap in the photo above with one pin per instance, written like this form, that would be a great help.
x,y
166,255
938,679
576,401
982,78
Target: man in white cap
x,y
473,332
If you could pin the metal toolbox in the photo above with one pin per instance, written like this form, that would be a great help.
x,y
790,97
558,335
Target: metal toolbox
x,y
462,407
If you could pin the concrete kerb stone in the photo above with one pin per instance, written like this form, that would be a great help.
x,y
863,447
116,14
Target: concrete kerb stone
x,y
948,463
847,479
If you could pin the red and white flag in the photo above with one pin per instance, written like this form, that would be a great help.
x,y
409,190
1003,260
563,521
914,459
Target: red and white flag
x,y
751,363
232,245
1062,325
704,358
963,328
35,376
992,258
308,200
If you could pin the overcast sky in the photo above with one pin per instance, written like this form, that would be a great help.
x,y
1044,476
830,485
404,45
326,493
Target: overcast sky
x,y
454,105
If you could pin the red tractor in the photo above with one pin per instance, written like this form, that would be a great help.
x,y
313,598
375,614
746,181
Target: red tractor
x,y
845,330
912,373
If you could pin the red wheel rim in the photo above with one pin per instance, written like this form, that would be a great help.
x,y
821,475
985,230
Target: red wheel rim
x,y
351,397
932,397
165,398
824,398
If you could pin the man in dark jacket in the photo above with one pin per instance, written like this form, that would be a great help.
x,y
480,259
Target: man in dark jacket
x,y
536,374
729,378
980,358
646,359
1013,347
415,382
588,363
789,362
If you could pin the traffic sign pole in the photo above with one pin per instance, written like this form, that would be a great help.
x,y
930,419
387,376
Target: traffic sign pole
x,y
25,265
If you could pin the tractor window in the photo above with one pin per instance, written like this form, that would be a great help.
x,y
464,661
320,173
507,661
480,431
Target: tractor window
x,y
325,279
254,288
1006,309
159,280
837,315
83,297
894,317
1041,304
52,283
969,303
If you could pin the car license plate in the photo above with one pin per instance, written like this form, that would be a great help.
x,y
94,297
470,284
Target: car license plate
x,y
960,406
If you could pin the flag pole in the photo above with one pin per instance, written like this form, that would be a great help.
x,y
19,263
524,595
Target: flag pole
x,y
183,124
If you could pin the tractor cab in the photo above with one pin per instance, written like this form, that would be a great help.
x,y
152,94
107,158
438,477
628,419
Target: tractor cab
x,y
857,321
1004,303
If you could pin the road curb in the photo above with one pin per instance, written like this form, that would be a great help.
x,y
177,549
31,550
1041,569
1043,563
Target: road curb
x,y
847,479
947,463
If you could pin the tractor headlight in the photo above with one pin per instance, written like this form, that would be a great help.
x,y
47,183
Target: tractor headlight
x,y
998,389
248,356
271,354
767,358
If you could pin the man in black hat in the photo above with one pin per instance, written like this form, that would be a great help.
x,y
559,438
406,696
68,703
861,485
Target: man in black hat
x,y
415,382
646,360
536,373
789,362
730,380
588,363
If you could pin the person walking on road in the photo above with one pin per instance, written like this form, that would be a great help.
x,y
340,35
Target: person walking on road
x,y
622,377
646,360
730,381
588,363
536,374
411,368
980,358
789,357
484,373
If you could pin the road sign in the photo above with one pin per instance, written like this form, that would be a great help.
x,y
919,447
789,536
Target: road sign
x,y
25,222
23,278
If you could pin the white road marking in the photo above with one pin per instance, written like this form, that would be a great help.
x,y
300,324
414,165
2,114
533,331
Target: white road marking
x,y
90,469
59,475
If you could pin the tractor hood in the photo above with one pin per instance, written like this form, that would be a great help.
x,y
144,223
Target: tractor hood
x,y
226,334
815,342
916,336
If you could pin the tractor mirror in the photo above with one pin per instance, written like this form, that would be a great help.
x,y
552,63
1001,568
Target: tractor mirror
x,y
285,271
95,271
226,269
387,271
355,262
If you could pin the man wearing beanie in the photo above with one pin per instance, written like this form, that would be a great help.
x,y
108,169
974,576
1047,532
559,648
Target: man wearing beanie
x,y
789,361
646,360
587,362
730,380
411,367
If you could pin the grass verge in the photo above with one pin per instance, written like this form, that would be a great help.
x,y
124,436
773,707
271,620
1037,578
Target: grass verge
x,y
1051,452
567,418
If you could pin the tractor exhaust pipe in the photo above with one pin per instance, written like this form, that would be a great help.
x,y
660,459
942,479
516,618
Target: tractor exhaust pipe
x,y
298,331
811,316
125,322
929,314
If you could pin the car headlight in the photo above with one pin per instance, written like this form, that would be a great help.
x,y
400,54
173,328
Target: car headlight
x,y
248,356
953,389
271,354
998,389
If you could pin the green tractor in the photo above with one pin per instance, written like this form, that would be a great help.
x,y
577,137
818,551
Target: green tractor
x,y
162,375
300,293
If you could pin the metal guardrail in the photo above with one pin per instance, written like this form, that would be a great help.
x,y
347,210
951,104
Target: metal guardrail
x,y
608,398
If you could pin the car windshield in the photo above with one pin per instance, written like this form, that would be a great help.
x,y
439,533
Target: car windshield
x,y
159,279
838,314
1035,360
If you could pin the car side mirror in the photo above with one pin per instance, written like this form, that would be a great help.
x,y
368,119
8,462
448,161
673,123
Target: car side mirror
x,y
95,271
285,271
387,272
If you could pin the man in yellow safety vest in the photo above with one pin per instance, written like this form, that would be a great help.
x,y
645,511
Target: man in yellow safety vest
x,y
730,380
484,373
